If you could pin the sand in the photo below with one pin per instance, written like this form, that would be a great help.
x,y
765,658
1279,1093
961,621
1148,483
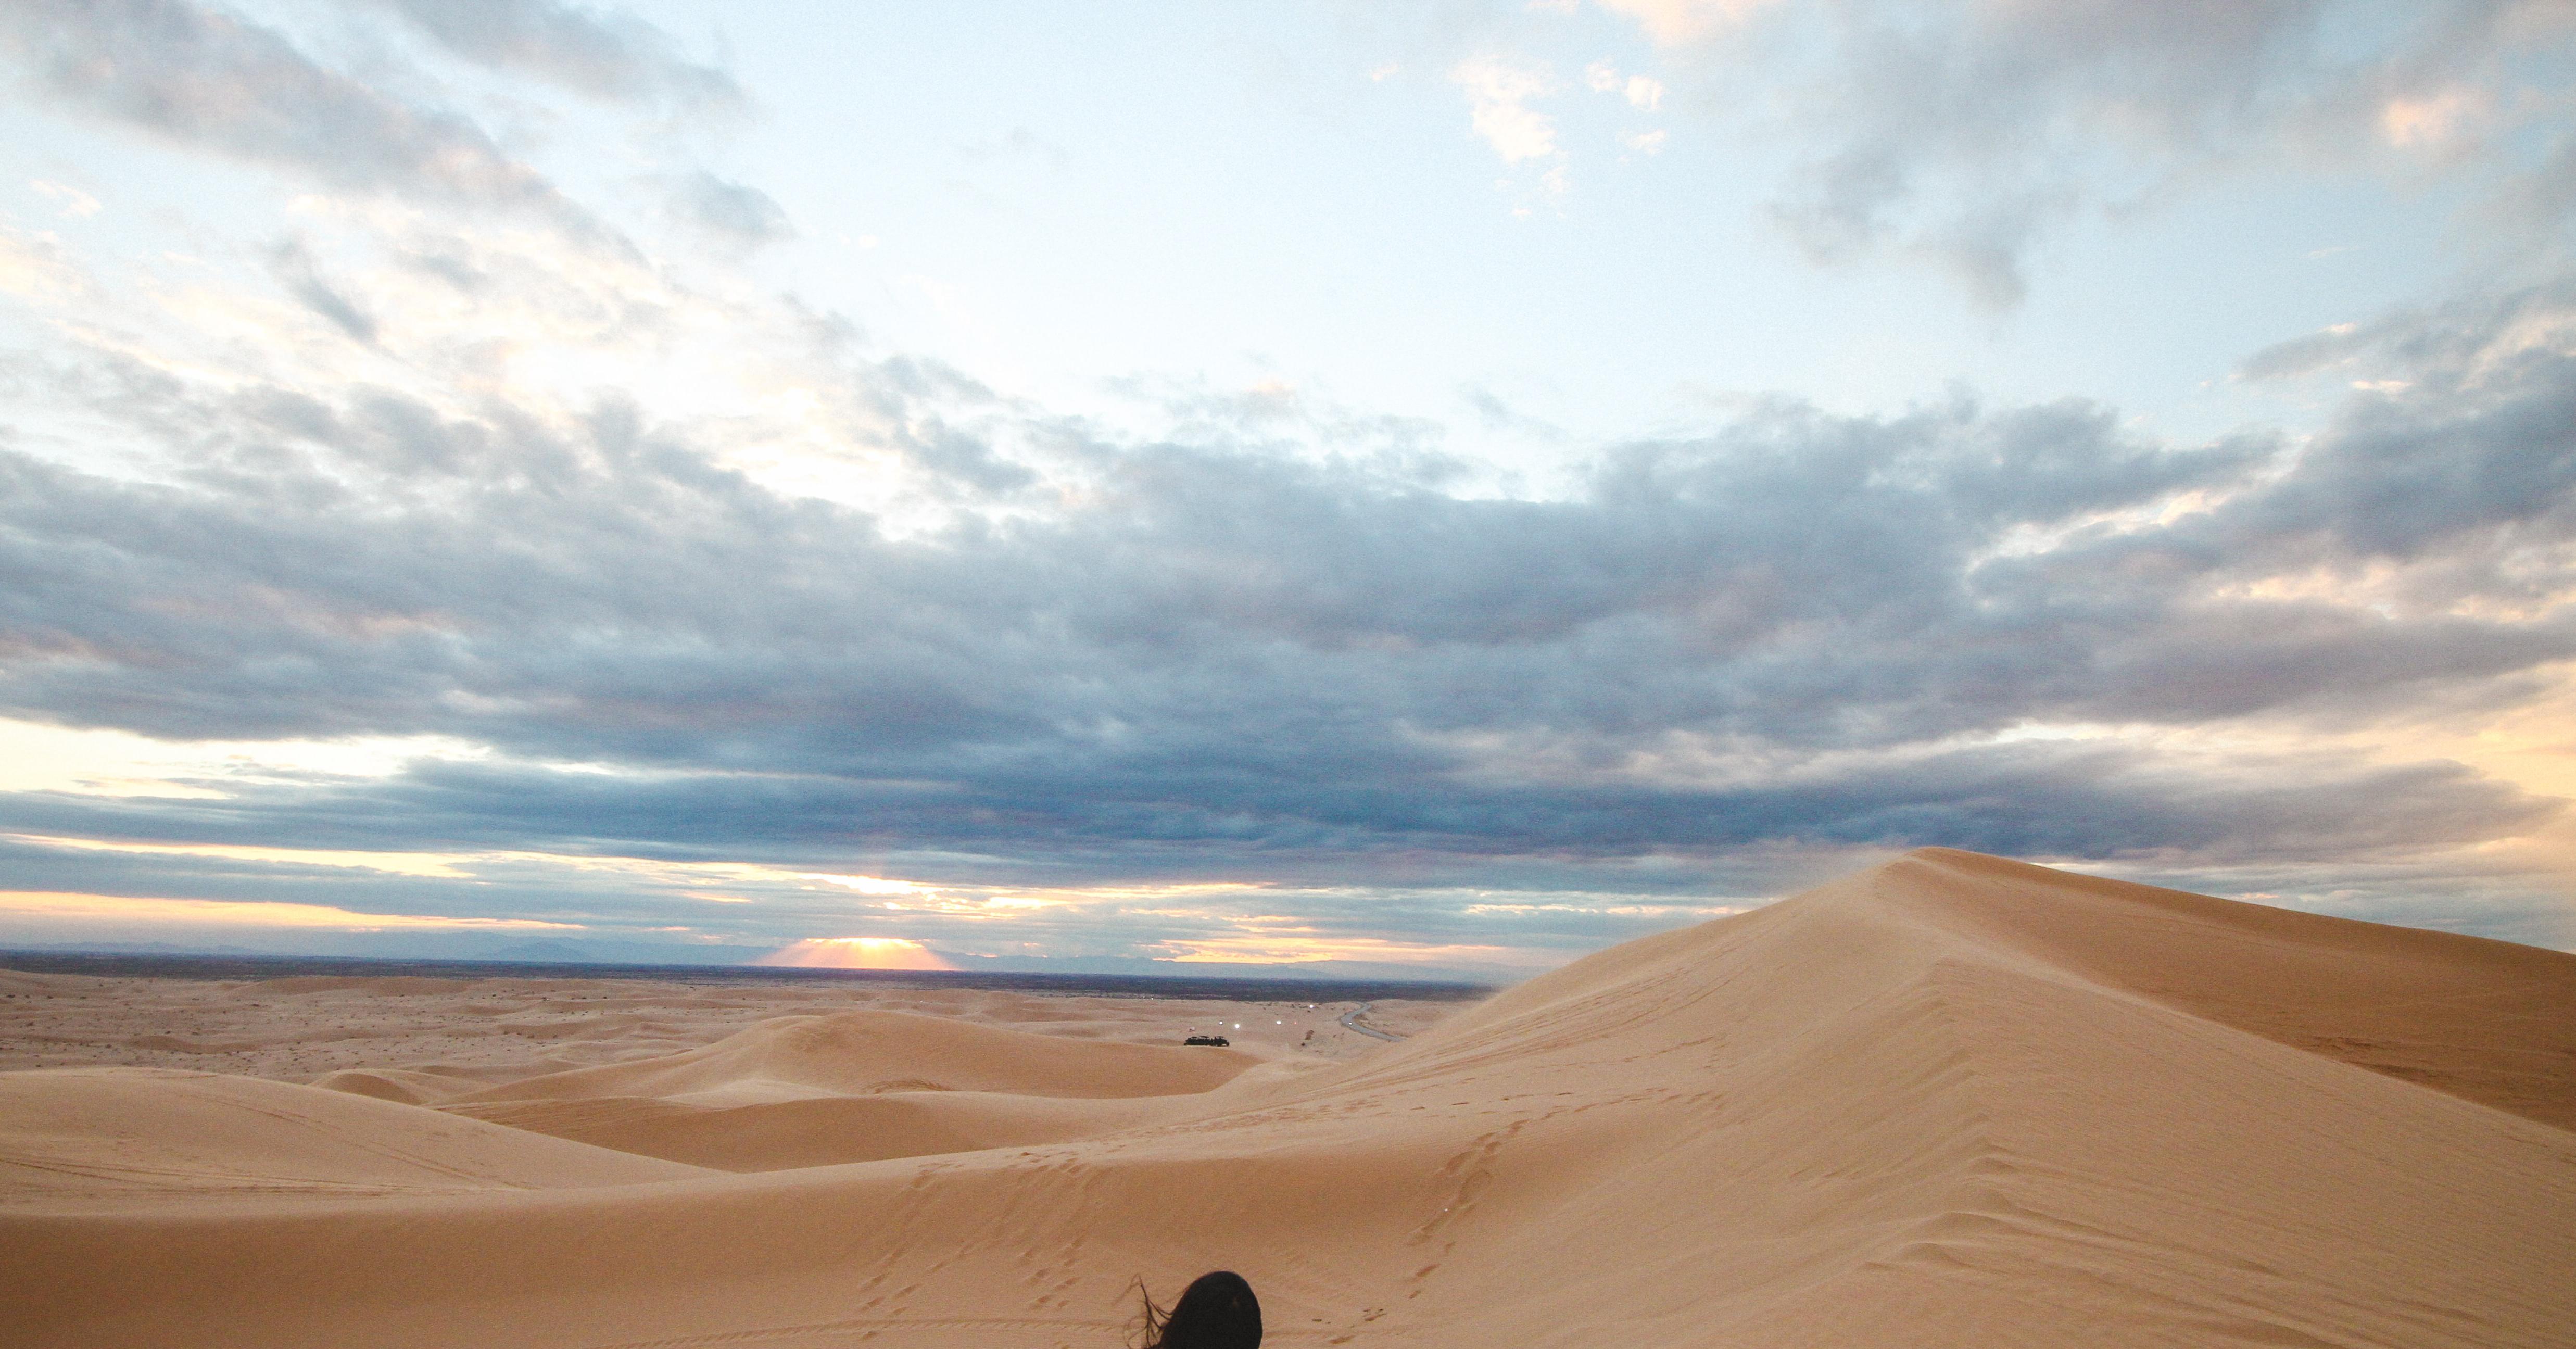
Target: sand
x,y
297,1029
1954,1100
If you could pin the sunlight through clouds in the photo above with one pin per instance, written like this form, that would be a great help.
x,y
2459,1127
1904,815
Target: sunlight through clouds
x,y
39,906
92,761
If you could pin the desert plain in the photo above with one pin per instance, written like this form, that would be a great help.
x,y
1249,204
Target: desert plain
x,y
1950,1101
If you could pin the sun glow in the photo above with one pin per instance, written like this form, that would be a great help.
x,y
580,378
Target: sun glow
x,y
858,953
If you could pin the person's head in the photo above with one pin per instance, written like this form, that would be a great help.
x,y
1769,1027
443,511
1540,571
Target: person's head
x,y
1218,1311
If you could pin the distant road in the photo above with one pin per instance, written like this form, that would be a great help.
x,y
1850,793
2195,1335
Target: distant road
x,y
1351,1021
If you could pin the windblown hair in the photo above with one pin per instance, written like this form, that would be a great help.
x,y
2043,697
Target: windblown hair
x,y
1217,1311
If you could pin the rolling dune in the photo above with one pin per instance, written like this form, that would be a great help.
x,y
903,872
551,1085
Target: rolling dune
x,y
1949,1101
811,1131
805,1091
75,1138
866,1052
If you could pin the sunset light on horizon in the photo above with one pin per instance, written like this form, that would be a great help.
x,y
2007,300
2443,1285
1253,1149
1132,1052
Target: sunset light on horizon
x,y
857,953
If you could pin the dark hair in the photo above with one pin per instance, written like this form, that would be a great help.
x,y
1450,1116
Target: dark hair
x,y
1217,1311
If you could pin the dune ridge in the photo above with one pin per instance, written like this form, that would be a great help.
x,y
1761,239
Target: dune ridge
x,y
1952,1100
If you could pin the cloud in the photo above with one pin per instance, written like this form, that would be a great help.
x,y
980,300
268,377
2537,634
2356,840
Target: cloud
x,y
292,264
2437,118
741,215
75,203
1642,91
208,81
1208,660
1968,134
1963,138
2461,448
1499,93
36,265
604,54
2537,204
1023,144
2469,342
25,906
1680,22
654,606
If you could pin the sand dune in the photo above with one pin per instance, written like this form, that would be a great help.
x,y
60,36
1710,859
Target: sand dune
x,y
72,1138
499,1029
404,1085
1950,1101
819,1130
867,1052
805,1091
2487,1020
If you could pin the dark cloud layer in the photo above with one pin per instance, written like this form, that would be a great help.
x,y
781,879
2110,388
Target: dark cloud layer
x,y
1222,661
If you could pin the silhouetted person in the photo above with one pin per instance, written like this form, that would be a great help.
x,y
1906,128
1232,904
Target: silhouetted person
x,y
1216,1312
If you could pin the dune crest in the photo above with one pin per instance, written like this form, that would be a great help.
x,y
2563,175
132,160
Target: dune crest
x,y
2490,1021
1948,1101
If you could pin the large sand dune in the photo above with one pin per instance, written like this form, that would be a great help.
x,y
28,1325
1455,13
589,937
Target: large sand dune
x,y
1950,1101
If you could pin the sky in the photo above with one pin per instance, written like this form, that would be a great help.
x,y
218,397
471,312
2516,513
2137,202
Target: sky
x,y
1422,489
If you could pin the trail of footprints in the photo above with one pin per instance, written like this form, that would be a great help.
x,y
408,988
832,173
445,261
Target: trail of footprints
x,y
1470,1171
1050,1278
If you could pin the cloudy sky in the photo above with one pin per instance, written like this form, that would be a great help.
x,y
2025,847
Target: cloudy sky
x,y
1439,487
